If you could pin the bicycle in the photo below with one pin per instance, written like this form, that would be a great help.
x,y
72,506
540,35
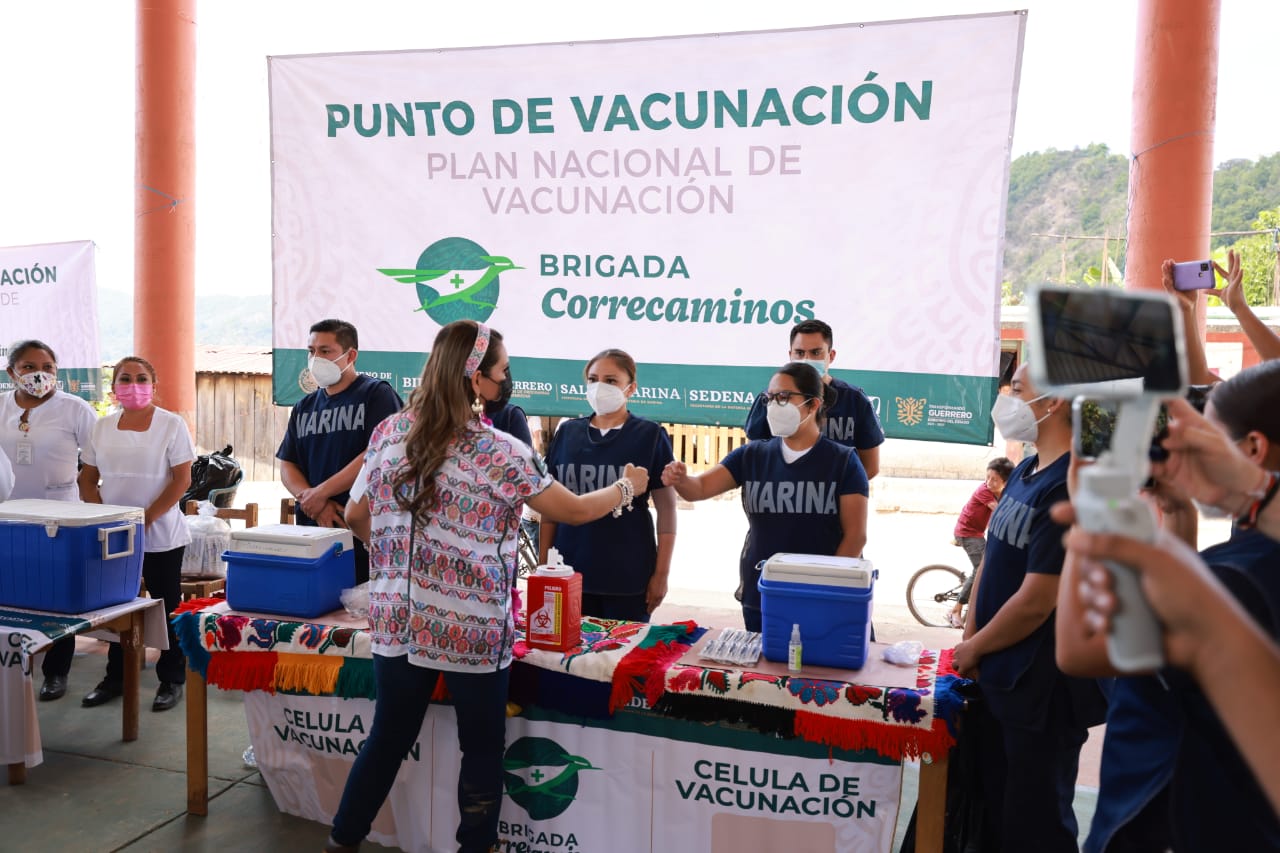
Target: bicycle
x,y
526,550
932,593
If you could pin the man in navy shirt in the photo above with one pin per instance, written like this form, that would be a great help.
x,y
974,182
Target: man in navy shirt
x,y
852,421
329,430
1041,716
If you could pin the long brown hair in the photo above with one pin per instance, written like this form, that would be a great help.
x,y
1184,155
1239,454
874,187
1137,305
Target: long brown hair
x,y
441,407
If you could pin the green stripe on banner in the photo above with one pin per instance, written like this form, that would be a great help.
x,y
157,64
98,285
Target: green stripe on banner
x,y
53,627
644,722
920,406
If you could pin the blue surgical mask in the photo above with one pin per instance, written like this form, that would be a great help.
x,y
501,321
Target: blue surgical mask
x,y
819,365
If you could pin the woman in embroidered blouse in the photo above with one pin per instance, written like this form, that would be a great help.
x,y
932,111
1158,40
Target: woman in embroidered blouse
x,y
439,502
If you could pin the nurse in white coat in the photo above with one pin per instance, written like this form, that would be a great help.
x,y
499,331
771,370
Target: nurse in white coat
x,y
42,431
141,456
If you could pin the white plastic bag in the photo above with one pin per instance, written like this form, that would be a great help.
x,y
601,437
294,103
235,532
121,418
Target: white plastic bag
x,y
905,653
210,536
356,601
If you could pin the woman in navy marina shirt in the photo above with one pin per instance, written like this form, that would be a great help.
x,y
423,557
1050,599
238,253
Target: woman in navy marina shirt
x,y
802,493
623,558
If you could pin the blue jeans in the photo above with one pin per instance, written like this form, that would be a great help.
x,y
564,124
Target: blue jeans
x,y
404,692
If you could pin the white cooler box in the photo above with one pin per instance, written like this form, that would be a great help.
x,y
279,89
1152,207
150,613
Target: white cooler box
x,y
69,557
290,540
289,569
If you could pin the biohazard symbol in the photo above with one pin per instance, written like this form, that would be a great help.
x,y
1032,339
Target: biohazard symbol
x,y
911,409
543,620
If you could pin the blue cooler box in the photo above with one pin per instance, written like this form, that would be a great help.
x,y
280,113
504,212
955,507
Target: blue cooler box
x,y
289,569
69,557
828,597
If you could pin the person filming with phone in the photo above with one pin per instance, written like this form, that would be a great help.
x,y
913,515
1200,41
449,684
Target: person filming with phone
x,y
1185,280
1167,763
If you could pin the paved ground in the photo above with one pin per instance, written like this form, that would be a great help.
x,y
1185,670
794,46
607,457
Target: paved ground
x,y
94,793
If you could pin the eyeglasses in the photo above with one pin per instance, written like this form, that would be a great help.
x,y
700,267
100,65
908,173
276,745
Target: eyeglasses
x,y
784,397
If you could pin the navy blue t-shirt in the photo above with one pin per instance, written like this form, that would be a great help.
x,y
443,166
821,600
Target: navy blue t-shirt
x,y
1162,730
1021,540
616,556
1215,800
791,507
326,432
851,421
511,420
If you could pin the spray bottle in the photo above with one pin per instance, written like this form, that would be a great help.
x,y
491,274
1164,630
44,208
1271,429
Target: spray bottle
x,y
794,649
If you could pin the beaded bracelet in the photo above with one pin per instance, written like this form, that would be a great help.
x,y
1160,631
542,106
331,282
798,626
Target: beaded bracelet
x,y
1248,519
628,493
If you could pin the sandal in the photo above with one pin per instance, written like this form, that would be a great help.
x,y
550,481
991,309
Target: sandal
x,y
953,620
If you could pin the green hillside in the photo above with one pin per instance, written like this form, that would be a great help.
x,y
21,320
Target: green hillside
x,y
1083,194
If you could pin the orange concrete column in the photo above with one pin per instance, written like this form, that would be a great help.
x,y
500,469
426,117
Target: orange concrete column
x,y
1175,88
165,220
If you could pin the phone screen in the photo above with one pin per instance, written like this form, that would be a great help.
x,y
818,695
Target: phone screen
x,y
1093,423
1094,335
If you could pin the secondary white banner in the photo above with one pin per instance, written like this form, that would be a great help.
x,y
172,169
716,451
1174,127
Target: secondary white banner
x,y
687,199
648,783
49,292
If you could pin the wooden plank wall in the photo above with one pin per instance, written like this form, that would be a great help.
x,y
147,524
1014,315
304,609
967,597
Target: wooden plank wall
x,y
236,409
701,447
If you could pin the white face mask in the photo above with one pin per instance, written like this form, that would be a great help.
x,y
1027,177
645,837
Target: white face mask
x,y
819,365
326,372
37,383
784,418
1014,418
605,399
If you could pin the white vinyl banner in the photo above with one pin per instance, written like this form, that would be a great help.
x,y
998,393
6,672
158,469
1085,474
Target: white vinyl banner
x,y
686,199
49,292
638,782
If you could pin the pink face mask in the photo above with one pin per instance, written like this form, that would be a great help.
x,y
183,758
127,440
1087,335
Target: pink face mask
x,y
133,396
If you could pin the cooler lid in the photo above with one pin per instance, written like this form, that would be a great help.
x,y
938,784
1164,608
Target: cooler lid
x,y
819,569
291,534
67,513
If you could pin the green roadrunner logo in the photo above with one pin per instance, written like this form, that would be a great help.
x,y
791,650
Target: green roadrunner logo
x,y
541,777
456,279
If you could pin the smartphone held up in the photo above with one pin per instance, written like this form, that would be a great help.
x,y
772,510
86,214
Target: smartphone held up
x,y
1194,275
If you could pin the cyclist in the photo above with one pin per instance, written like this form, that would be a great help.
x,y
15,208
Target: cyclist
x,y
971,527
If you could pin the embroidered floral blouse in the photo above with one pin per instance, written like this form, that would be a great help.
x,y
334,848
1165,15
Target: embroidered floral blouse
x,y
445,599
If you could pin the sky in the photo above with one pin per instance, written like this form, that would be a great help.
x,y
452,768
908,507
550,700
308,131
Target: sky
x,y
67,78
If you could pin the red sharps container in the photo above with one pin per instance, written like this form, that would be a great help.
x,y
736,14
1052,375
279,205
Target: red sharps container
x,y
555,606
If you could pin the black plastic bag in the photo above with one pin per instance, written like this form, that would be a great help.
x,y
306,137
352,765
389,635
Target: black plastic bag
x,y
966,820
214,477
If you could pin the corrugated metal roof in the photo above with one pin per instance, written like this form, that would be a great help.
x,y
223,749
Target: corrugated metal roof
x,y
216,358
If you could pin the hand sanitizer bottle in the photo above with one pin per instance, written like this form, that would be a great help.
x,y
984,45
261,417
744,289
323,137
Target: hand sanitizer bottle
x,y
794,649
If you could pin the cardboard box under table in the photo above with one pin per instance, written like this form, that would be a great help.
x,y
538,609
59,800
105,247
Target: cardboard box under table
x,y
289,569
69,557
828,597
